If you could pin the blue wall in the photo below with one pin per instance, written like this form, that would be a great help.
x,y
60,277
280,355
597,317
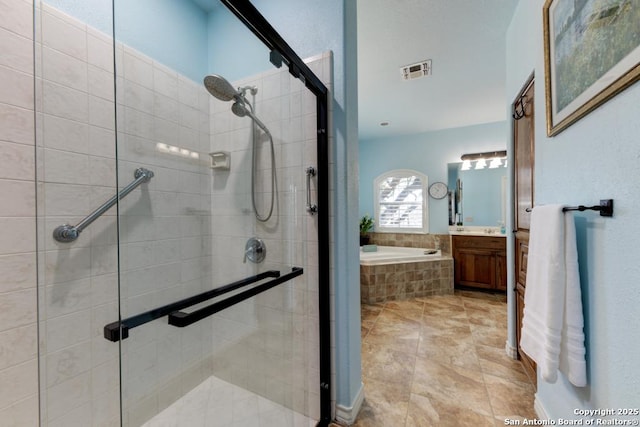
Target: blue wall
x,y
96,13
428,153
595,158
234,51
172,32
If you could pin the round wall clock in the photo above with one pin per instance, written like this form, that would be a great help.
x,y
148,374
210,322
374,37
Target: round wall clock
x,y
438,190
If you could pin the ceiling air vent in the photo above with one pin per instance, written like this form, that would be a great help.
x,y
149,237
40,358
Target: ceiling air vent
x,y
416,71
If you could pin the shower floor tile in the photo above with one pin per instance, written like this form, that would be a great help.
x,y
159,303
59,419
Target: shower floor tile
x,y
218,403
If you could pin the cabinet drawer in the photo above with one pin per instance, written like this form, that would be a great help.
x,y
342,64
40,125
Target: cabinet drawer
x,y
474,242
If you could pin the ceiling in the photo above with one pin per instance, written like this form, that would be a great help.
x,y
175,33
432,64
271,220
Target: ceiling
x,y
465,39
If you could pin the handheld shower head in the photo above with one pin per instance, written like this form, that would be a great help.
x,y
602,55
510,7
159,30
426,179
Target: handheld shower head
x,y
219,87
240,109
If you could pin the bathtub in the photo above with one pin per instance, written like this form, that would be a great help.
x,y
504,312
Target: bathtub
x,y
397,255
396,273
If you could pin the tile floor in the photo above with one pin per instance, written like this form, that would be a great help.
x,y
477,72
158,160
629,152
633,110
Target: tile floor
x,y
440,361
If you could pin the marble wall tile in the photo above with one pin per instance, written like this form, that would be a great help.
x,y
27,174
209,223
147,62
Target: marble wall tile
x,y
17,162
23,379
68,396
64,70
22,195
63,33
18,345
100,51
22,413
17,124
16,88
17,17
18,331
100,83
17,309
65,102
17,271
16,51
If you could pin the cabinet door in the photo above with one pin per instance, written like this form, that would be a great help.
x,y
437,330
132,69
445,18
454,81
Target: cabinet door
x,y
501,271
475,267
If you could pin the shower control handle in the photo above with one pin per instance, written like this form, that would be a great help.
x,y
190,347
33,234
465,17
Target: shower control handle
x,y
311,208
254,251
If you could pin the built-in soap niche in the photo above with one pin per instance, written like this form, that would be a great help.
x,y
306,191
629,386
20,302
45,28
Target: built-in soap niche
x,y
220,160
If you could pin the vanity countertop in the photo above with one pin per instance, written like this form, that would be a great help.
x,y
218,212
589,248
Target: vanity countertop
x,y
476,231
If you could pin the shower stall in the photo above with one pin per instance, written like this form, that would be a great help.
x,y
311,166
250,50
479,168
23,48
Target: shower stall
x,y
182,218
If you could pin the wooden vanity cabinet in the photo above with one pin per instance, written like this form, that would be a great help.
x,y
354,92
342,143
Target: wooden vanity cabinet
x,y
480,262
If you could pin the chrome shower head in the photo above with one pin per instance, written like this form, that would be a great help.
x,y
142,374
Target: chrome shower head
x,y
240,109
219,87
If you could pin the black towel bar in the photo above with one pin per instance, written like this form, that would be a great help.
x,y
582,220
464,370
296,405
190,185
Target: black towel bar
x,y
181,319
605,208
118,330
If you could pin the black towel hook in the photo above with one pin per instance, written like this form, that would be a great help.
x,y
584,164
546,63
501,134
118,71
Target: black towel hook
x,y
519,113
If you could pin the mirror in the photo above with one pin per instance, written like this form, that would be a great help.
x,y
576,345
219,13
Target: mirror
x,y
477,197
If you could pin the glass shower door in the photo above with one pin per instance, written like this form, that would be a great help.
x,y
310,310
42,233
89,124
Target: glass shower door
x,y
218,289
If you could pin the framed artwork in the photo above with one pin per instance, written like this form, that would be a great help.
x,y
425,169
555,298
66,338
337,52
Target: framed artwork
x,y
592,52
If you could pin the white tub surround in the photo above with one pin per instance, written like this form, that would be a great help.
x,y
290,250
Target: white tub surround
x,y
398,255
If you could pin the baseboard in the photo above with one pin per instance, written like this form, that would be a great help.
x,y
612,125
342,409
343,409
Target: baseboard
x,y
511,351
348,415
540,411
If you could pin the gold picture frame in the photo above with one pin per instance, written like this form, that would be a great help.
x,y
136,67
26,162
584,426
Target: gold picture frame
x,y
589,54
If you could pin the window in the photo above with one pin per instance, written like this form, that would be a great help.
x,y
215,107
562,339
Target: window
x,y
400,202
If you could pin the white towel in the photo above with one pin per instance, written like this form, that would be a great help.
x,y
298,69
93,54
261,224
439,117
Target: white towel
x,y
552,327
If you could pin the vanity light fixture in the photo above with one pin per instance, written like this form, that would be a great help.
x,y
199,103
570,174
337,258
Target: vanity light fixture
x,y
481,164
481,159
487,155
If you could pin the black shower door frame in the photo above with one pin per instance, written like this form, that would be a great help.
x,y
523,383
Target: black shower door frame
x,y
282,54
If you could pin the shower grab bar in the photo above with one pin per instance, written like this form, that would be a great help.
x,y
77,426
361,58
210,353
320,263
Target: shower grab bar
x,y
68,233
181,319
311,208
112,330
